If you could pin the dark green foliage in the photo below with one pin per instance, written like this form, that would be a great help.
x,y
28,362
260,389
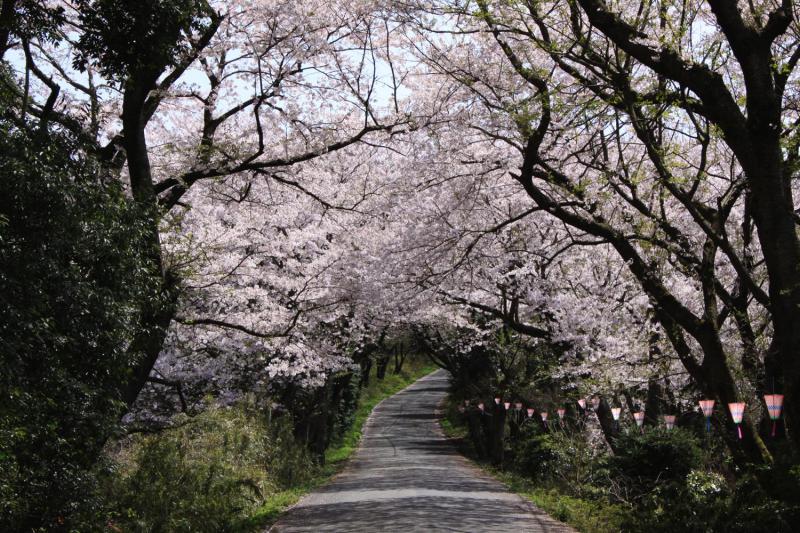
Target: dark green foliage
x,y
36,19
124,38
70,283
348,403
207,475
656,457
537,455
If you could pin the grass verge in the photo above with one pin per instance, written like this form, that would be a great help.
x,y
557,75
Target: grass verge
x,y
337,455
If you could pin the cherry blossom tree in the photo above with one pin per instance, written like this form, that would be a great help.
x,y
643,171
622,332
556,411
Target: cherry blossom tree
x,y
654,127
173,97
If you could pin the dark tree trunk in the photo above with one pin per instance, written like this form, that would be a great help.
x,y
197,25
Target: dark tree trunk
x,y
399,359
157,315
496,435
366,369
383,365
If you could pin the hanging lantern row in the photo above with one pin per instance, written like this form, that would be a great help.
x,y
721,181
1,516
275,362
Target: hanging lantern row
x,y
774,407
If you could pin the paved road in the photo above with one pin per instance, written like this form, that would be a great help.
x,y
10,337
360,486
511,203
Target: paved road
x,y
407,477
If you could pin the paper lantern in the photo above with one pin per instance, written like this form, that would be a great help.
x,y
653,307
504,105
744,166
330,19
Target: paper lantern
x,y
561,412
460,408
638,417
595,402
497,400
507,405
466,403
518,406
530,412
615,411
669,421
774,406
582,404
481,407
544,416
737,413
707,406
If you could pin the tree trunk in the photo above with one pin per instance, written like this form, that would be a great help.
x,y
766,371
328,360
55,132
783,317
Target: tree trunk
x,y
399,359
383,365
496,436
157,315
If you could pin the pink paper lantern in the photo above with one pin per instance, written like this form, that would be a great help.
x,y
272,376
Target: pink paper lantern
x,y
582,404
507,405
737,413
615,411
481,407
669,421
466,403
518,406
774,407
561,412
530,412
497,400
707,406
544,416
638,417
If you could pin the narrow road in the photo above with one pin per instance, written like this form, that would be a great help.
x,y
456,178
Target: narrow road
x,y
407,477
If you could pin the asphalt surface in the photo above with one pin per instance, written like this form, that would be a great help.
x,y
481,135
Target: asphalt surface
x,y
407,477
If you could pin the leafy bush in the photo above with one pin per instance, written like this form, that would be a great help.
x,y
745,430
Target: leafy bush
x,y
206,475
537,455
71,282
656,456
560,457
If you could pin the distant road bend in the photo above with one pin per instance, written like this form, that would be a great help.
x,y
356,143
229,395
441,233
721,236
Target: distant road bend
x,y
407,477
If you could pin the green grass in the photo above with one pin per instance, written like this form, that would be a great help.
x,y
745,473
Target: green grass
x,y
337,455
587,516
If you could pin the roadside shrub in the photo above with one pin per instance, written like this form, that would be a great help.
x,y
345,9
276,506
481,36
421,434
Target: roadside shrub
x,y
537,455
656,456
204,475
72,282
560,457
752,509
